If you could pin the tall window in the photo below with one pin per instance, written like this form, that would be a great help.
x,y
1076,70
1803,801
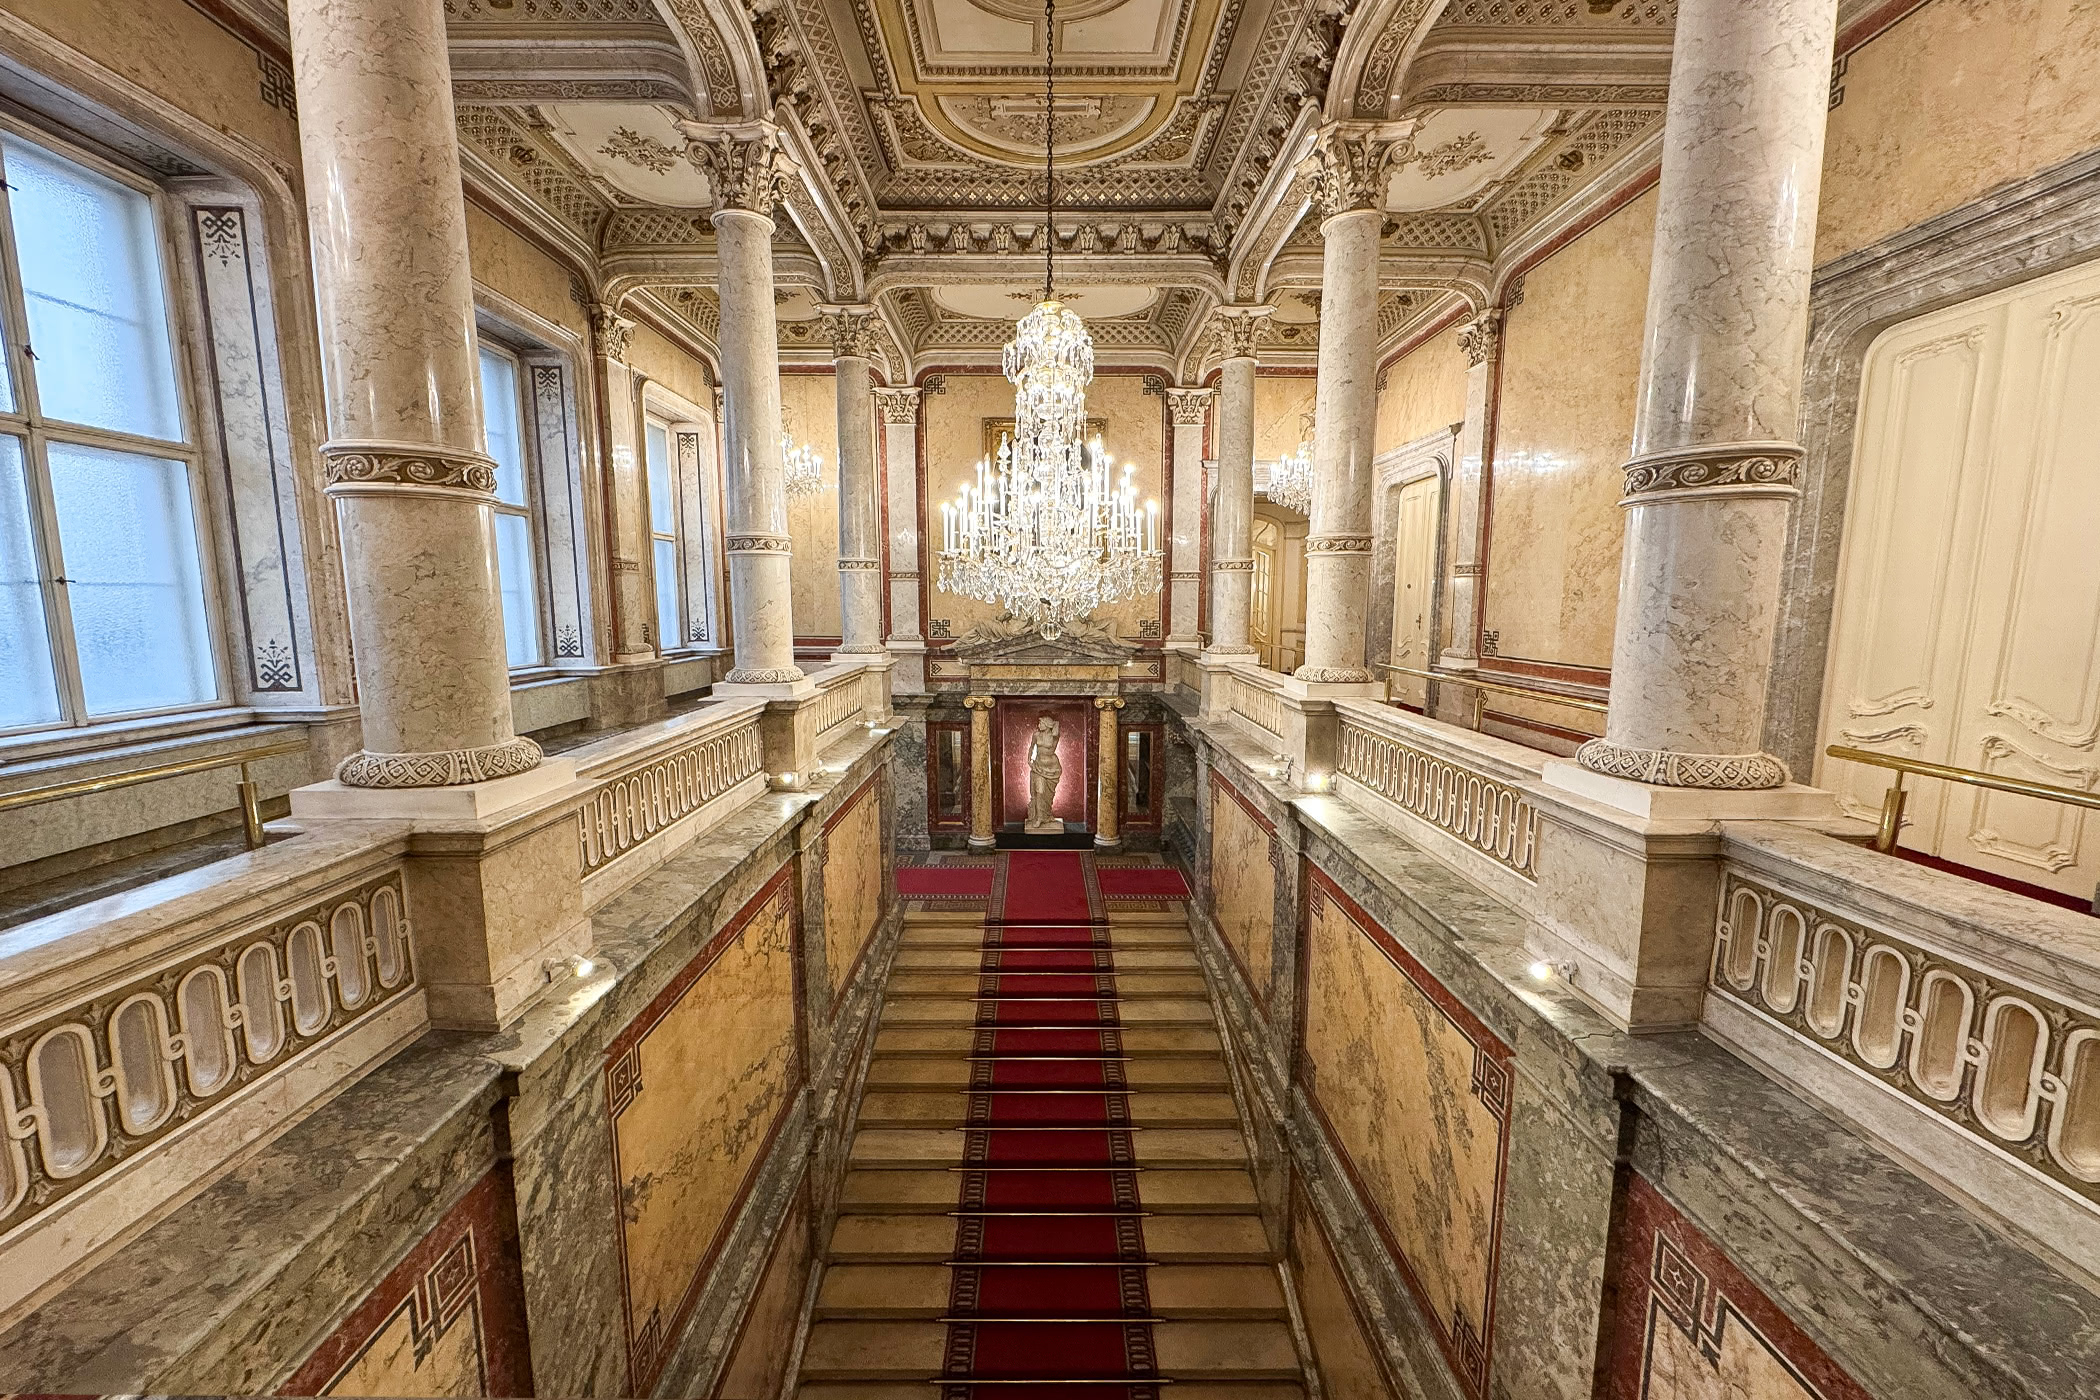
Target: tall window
x,y
663,532
503,426
102,582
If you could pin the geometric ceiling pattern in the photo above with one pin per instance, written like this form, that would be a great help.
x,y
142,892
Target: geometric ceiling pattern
x,y
1178,123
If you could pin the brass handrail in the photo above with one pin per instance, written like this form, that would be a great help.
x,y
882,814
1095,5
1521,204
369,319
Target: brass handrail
x,y
250,795
1573,703
1893,801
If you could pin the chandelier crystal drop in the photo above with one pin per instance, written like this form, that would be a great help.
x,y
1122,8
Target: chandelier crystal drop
x,y
1290,480
804,466
1049,530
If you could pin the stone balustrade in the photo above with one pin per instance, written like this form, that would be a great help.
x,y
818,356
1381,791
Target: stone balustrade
x,y
148,1038
688,770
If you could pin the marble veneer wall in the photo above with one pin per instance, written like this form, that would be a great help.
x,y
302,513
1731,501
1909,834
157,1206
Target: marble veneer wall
x,y
1480,1191
619,1195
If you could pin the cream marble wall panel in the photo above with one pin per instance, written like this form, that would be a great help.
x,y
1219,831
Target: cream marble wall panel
x,y
853,884
506,263
1243,884
651,354
694,1089
758,1363
177,53
1414,1091
1960,96
809,413
1342,1350
1425,391
1562,438
954,418
1280,403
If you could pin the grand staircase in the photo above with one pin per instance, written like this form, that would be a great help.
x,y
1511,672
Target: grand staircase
x,y
1048,1183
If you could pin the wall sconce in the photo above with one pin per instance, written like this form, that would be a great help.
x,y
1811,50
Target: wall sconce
x,y
577,965
1546,970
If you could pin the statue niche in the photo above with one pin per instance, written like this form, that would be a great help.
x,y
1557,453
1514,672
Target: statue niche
x,y
1045,770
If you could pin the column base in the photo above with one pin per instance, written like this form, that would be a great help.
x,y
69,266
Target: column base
x,y
336,800
1665,768
1108,843
1661,802
982,843
451,768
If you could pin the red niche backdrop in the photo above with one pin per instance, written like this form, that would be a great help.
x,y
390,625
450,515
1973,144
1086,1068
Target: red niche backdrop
x,y
1017,718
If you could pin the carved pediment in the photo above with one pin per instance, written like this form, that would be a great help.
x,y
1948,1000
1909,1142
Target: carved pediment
x,y
1010,641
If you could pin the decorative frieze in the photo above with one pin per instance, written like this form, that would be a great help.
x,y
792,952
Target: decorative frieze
x,y
2010,1067
448,768
428,468
1733,469
1492,817
1338,544
760,544
1732,772
631,807
92,1085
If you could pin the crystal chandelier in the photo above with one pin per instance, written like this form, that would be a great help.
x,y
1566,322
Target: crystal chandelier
x,y
1290,480
805,468
1049,531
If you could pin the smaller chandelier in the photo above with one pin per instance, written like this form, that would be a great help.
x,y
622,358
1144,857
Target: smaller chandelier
x,y
1290,480
805,467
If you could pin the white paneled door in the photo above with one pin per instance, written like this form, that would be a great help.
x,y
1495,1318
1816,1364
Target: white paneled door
x,y
1967,629
1414,585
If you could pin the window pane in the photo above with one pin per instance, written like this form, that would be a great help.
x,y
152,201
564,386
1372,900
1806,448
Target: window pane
x,y
656,443
91,275
28,687
500,426
670,633
137,593
521,613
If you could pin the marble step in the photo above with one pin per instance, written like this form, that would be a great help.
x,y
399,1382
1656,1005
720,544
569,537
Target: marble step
x,y
905,985
1208,1389
1178,1291
954,1042
1167,1191
1120,936
1149,1072
939,1109
923,1238
943,1147
1130,1011
1126,959
912,1351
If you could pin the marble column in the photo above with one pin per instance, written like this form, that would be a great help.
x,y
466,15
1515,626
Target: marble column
x,y
748,168
852,331
1715,463
1348,170
1187,409
404,460
1465,543
1108,790
1232,522
980,708
900,457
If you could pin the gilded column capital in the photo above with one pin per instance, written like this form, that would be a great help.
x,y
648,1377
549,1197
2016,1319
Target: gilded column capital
x,y
1106,703
1479,336
748,167
980,702
1189,405
611,330
1348,167
852,330
898,405
1238,330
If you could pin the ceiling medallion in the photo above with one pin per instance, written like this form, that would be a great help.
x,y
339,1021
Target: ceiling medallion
x,y
1047,532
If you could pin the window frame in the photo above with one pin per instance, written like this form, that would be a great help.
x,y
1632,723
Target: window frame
x,y
529,469
654,417
27,423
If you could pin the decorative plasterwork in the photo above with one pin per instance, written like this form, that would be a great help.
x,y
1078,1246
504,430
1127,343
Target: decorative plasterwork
x,y
749,168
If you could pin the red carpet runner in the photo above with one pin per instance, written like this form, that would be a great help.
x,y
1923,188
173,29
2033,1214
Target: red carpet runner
x,y
1049,1277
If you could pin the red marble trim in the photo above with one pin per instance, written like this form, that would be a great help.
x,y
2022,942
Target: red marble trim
x,y
1255,990
934,820
616,1054
795,1220
889,893
1217,781
1669,1274
1536,726
1493,1083
848,805
473,1251
1517,668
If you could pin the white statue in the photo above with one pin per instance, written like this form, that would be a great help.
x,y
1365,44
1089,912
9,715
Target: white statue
x,y
1044,771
